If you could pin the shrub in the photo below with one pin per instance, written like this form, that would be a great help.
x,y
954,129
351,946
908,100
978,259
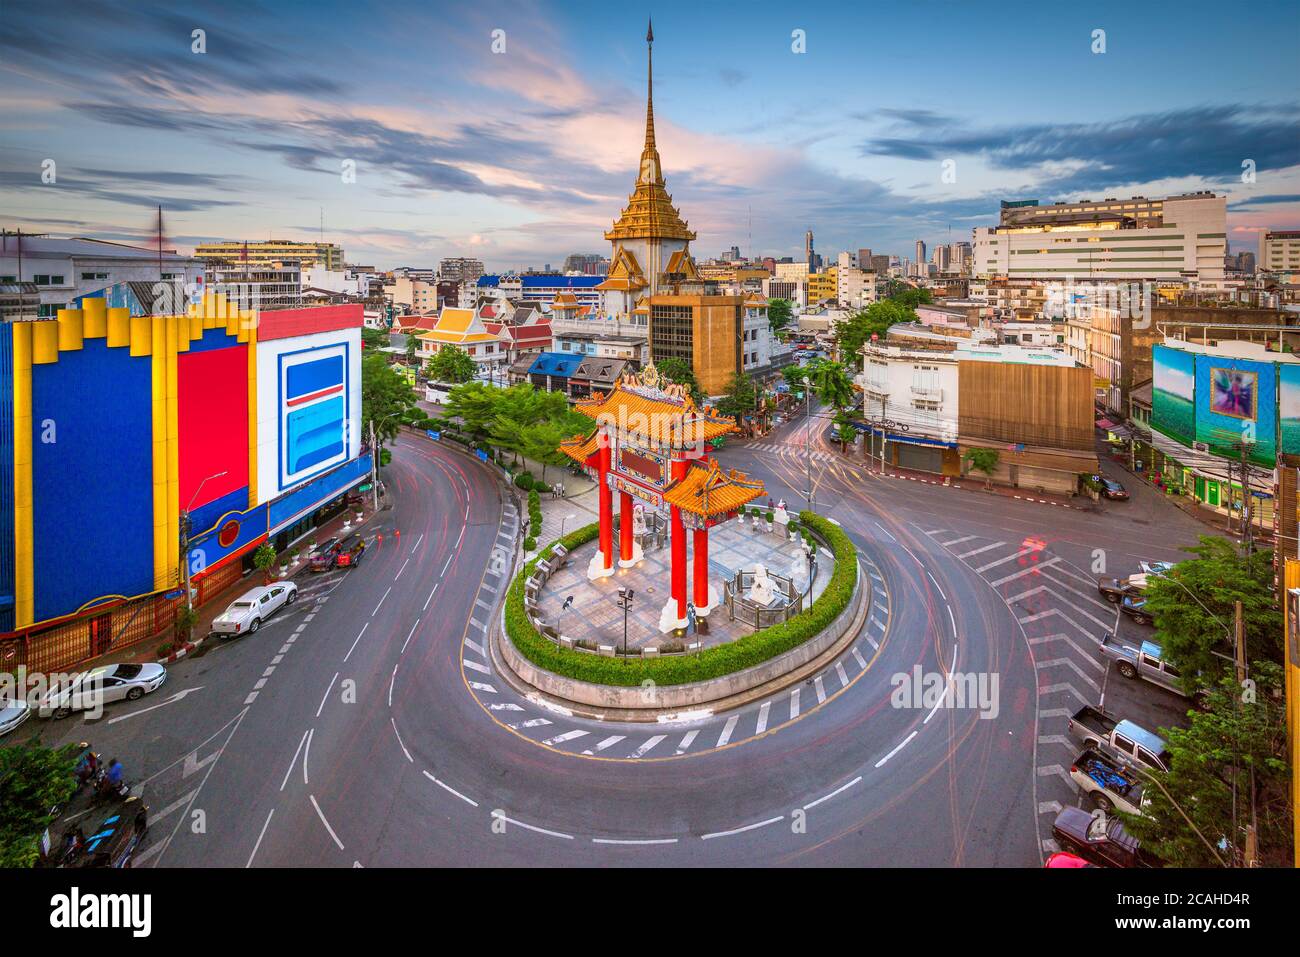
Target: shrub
x,y
165,649
524,480
709,663
530,544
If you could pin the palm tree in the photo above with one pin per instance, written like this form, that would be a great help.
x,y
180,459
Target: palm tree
x,y
832,385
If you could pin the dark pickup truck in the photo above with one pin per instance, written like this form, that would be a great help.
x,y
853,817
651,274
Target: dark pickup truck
x,y
1099,839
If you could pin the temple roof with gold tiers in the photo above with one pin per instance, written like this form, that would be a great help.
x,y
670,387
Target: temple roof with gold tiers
x,y
646,409
650,213
707,490
624,273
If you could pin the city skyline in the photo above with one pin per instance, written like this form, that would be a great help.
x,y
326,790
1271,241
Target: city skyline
x,y
523,156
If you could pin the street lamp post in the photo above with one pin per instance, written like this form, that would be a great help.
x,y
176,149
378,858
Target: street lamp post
x,y
374,459
624,601
185,547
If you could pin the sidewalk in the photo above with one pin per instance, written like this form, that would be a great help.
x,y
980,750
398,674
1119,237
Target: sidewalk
x,y
147,650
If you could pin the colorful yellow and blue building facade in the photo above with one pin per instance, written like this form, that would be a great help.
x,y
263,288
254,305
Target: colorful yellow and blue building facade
x,y
117,423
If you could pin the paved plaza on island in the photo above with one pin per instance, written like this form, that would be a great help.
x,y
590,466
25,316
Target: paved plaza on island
x,y
595,617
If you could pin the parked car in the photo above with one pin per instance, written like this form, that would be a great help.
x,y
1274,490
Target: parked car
x,y
1135,607
1099,839
1122,741
1155,568
1112,489
323,558
247,612
1142,661
99,686
350,552
12,714
1114,589
1111,785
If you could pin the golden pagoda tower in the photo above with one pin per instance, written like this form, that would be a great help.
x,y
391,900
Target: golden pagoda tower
x,y
651,241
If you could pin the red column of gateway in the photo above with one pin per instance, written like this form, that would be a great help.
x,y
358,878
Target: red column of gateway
x,y
679,547
606,504
701,568
625,526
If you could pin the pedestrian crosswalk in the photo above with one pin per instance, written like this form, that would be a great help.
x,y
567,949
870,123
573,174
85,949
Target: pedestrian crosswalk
x,y
817,455
698,735
1061,614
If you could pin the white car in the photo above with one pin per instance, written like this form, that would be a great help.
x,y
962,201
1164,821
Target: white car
x,y
1155,568
92,689
247,612
12,714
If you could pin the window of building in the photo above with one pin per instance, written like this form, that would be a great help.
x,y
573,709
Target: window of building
x,y
50,310
93,276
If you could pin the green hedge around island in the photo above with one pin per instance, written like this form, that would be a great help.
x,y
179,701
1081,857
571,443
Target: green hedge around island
x,y
712,662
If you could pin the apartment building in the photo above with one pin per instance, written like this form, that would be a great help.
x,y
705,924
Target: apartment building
x,y
1176,238
460,269
707,332
328,255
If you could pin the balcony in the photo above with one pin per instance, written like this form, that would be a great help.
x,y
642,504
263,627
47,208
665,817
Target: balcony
x,y
927,393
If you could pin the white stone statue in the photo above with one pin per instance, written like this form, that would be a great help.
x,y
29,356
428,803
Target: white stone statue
x,y
638,520
762,592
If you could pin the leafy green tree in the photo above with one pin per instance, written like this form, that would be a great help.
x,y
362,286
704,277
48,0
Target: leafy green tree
x,y
982,460
679,372
450,364
475,404
740,397
1193,609
518,409
385,395
1189,814
33,780
373,338
832,384
412,346
844,430
855,331
542,444
910,297
779,313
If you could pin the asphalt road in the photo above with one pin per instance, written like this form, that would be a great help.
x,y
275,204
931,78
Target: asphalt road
x,y
367,725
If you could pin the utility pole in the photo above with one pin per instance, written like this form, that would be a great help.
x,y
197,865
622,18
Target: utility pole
x,y
882,433
807,438
374,466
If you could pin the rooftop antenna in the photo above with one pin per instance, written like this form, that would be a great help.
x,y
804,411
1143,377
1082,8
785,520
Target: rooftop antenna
x,y
160,243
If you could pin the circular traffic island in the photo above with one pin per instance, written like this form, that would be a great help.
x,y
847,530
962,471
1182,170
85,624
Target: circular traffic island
x,y
781,606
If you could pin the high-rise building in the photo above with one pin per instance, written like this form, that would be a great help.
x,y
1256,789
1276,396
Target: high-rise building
x,y
274,250
460,270
809,254
920,253
864,259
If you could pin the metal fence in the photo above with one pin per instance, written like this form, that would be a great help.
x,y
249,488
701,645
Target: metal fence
x,y
739,608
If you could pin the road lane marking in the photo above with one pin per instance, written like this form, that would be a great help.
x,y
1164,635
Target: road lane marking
x,y
607,743
1032,569
259,839
839,790
325,697
451,790
475,647
535,723
844,675
381,601
321,815
857,655
978,551
408,636
417,543
479,686
762,717
402,569
429,599
741,830
958,541
531,827
657,840
561,738
897,749
476,666
354,644
729,727
399,740
794,704
821,690
648,745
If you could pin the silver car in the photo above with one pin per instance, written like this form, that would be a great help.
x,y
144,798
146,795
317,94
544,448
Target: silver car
x,y
90,690
12,714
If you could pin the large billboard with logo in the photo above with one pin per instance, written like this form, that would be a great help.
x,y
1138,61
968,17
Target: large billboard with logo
x,y
309,407
1288,387
1236,405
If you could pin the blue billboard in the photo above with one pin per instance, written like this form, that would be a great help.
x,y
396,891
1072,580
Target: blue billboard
x,y
1173,389
1288,387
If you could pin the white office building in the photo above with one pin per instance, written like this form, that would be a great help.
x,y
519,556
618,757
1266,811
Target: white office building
x,y
1179,238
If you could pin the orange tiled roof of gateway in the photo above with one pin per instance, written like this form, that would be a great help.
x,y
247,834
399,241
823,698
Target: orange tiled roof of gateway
x,y
662,417
580,448
707,490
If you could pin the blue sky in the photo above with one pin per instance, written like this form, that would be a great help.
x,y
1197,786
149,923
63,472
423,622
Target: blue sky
x,y
523,156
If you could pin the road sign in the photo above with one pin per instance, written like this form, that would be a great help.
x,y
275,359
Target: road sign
x,y
365,488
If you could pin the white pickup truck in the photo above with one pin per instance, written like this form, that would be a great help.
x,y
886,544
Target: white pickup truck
x,y
1111,785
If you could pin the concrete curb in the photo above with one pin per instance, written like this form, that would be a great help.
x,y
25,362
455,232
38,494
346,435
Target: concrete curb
x,y
851,620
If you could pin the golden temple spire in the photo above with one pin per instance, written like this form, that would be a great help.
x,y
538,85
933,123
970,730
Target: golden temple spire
x,y
651,169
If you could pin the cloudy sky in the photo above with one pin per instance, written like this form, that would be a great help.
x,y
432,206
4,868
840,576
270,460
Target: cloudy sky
x,y
522,156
